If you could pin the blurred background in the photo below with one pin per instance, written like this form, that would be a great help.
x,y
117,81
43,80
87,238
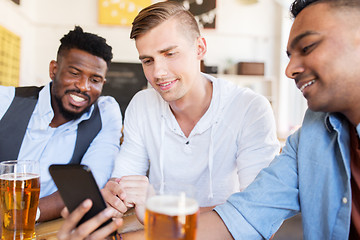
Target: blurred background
x,y
246,44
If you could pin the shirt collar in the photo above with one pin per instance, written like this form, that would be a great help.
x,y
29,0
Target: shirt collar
x,y
334,121
44,108
205,122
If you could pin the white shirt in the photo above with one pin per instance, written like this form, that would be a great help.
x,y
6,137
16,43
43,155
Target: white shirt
x,y
224,152
56,145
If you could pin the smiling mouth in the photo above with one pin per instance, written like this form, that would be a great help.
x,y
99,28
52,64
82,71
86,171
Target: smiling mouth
x,y
166,84
306,85
77,98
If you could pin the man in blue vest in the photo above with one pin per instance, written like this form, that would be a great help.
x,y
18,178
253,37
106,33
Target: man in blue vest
x,y
65,121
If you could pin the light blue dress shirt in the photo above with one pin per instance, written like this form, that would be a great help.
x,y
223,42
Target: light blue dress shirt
x,y
311,175
56,145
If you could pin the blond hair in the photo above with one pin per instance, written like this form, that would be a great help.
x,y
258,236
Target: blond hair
x,y
157,13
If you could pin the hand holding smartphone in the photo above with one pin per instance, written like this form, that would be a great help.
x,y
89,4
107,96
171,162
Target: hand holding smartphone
x,y
75,183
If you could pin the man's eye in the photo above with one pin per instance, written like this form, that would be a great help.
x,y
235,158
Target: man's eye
x,y
146,61
170,54
95,80
308,48
74,73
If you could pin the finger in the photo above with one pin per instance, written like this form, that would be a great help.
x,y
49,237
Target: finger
x,y
65,212
134,186
112,187
118,214
88,227
135,197
107,230
140,212
72,219
113,200
129,205
115,180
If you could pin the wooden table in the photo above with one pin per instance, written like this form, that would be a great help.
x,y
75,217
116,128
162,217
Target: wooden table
x,y
48,230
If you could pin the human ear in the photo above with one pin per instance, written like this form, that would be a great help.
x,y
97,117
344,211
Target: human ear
x,y
52,69
201,47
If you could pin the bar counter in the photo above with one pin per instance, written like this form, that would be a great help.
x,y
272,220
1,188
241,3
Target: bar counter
x,y
48,230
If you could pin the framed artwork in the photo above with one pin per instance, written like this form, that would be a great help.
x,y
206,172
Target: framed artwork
x,y
203,10
123,80
9,58
119,12
16,1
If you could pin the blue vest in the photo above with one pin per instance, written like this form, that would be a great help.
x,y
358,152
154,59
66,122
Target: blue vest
x,y
14,123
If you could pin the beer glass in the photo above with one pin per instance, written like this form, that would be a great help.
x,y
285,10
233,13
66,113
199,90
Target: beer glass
x,y
19,198
171,212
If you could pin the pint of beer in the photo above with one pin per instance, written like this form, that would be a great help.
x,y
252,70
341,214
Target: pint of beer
x,y
171,216
19,198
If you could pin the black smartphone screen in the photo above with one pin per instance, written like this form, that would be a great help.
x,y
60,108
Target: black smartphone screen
x,y
75,183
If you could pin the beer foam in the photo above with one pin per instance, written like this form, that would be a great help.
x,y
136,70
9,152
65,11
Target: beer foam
x,y
19,176
172,205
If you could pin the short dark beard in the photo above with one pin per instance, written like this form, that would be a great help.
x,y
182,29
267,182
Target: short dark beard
x,y
68,115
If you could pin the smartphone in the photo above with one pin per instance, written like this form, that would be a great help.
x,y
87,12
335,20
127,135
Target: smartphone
x,y
75,183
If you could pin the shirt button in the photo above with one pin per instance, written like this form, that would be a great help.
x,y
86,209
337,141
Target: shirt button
x,y
344,200
187,149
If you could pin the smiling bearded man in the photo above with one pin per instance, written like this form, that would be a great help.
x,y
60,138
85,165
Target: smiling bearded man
x,y
65,121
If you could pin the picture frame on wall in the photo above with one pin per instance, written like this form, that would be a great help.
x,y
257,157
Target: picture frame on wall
x,y
10,46
16,1
120,12
123,81
203,10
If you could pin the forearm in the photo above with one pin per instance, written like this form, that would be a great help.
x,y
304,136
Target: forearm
x,y
211,227
206,209
50,207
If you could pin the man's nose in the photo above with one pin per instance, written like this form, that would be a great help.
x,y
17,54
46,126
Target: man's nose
x,y
160,69
294,68
83,84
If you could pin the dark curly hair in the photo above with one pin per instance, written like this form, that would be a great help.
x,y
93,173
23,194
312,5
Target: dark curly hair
x,y
298,5
88,42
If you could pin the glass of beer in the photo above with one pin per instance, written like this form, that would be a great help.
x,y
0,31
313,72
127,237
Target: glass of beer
x,y
19,198
171,212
